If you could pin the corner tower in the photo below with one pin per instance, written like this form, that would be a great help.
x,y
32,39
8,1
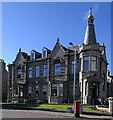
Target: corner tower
x,y
93,67
90,37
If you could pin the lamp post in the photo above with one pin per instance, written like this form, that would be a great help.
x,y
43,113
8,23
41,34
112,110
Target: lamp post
x,y
74,90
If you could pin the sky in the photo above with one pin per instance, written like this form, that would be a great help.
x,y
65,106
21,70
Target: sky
x,y
34,25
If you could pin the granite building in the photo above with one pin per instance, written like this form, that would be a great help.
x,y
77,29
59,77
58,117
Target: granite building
x,y
48,77
109,84
3,81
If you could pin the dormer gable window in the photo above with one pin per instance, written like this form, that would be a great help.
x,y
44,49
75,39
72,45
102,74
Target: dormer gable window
x,y
32,56
44,52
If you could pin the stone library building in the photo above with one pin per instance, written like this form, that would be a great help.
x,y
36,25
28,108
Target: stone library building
x,y
50,76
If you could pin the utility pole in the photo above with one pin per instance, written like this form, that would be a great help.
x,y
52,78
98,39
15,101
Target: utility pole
x,y
74,89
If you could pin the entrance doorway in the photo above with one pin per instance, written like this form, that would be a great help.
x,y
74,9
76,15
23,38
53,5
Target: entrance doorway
x,y
94,93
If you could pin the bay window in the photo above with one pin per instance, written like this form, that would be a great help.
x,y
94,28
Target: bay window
x,y
89,63
93,63
86,63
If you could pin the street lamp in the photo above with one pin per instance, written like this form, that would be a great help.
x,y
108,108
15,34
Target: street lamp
x,y
74,90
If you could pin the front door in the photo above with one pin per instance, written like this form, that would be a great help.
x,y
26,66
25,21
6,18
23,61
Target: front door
x,y
94,93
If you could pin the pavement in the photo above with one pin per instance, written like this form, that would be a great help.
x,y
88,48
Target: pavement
x,y
33,112
39,114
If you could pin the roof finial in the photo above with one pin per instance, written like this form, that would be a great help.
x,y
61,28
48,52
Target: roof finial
x,y
19,49
58,39
90,11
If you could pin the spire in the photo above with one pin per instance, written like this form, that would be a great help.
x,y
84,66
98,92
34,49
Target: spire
x,y
90,37
90,11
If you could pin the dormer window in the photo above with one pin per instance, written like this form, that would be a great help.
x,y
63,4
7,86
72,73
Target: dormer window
x,y
44,53
32,56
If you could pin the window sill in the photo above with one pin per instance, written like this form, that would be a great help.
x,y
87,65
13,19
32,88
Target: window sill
x,y
90,71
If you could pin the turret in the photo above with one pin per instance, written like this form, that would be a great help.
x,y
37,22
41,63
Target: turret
x,y
90,37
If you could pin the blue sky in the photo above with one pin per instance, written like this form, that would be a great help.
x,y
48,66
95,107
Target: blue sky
x,y
37,25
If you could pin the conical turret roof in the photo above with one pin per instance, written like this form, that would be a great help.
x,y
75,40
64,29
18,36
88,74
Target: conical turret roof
x,y
90,37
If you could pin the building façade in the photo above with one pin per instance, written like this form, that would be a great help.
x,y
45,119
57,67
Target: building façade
x,y
48,77
3,81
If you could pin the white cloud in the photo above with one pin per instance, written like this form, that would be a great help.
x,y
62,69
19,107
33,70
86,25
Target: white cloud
x,y
95,9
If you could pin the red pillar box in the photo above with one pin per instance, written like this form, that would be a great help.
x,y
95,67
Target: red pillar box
x,y
77,108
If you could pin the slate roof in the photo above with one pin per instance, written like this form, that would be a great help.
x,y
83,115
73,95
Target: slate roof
x,y
64,47
25,55
48,49
90,37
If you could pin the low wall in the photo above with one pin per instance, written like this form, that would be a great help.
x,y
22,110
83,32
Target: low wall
x,y
101,108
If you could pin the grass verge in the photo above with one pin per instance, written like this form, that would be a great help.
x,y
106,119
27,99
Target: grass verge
x,y
52,106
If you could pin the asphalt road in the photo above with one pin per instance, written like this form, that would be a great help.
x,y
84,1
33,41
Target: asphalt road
x,y
46,114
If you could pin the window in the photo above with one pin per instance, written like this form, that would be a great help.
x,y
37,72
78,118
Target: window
x,y
72,66
19,72
21,90
61,89
32,57
45,70
93,63
44,90
37,71
86,64
30,72
37,90
30,90
15,88
57,69
54,90
44,53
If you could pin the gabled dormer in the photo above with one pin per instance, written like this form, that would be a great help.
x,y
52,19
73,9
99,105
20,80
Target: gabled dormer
x,y
58,50
45,52
34,55
21,57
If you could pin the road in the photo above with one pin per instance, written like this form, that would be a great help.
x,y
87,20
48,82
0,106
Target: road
x,y
45,114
